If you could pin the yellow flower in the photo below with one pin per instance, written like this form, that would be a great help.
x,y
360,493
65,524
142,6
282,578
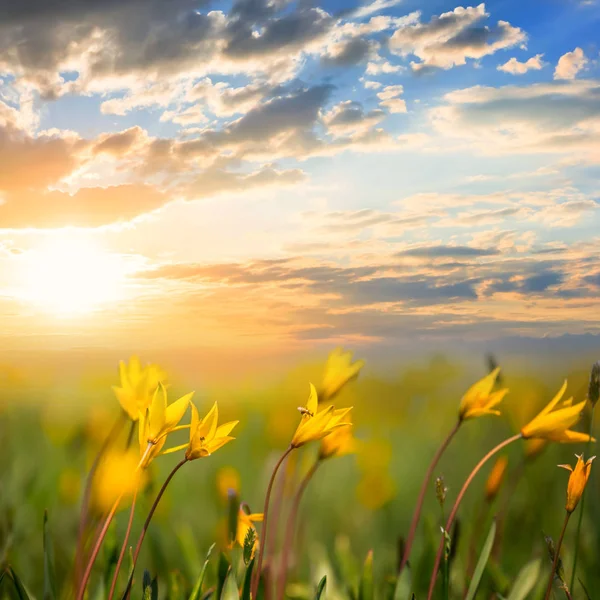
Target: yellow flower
x,y
338,443
138,385
534,447
315,425
338,372
158,421
205,436
577,481
554,424
480,400
496,477
244,524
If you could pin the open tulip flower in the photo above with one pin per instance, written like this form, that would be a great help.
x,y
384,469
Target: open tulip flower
x,y
553,425
339,370
206,436
479,399
158,421
138,385
315,424
338,443
577,481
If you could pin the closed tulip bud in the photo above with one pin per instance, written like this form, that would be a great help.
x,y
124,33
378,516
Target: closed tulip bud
x,y
577,481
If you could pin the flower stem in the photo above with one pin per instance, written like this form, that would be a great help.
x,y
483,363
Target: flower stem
x,y
582,502
452,515
153,508
94,555
85,501
113,585
419,506
290,529
556,557
263,529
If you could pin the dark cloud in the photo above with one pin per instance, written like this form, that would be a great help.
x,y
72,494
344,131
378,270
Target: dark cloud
x,y
541,282
351,52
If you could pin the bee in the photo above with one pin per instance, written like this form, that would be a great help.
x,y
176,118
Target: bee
x,y
305,411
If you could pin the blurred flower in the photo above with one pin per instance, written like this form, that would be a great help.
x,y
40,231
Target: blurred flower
x,y
117,475
158,421
554,424
315,425
577,481
495,478
375,489
244,524
339,370
480,400
69,484
138,385
594,389
100,418
205,436
338,443
228,478
534,447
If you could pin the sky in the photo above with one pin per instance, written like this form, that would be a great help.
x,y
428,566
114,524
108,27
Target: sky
x,y
288,175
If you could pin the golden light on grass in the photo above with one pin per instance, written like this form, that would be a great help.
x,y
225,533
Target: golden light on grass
x,y
70,274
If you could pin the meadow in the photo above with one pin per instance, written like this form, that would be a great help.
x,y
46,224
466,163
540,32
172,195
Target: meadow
x,y
81,470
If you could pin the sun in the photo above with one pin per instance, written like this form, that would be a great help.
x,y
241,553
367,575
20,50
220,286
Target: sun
x,y
70,274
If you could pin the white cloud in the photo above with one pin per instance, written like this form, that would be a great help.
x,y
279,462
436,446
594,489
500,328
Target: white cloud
x,y
570,64
375,7
377,68
514,67
390,97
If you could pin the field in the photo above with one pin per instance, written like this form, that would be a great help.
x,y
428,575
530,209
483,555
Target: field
x,y
353,519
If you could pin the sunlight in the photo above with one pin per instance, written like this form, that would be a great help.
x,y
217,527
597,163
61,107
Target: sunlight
x,y
71,274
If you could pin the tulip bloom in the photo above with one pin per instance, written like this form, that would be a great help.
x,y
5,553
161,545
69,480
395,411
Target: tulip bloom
x,y
553,424
339,370
496,478
206,436
314,424
479,399
338,443
577,481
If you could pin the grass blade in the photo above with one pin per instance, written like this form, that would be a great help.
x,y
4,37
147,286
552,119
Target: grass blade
x,y
247,581
198,586
19,587
321,587
403,585
49,575
366,590
483,558
525,581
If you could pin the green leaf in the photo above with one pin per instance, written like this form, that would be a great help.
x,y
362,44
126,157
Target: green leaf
x,y
366,589
198,586
149,586
230,590
19,587
525,581
247,581
587,594
483,558
49,575
321,587
223,568
403,585
249,543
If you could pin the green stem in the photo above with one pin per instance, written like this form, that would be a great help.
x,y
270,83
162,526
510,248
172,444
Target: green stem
x,y
419,506
582,502
438,557
263,529
556,557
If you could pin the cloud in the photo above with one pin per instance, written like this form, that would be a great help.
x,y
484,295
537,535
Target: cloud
x,y
88,207
447,252
451,38
514,67
350,52
382,67
374,7
350,117
390,98
570,64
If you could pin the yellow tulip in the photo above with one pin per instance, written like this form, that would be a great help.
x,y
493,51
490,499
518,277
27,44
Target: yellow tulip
x,y
314,424
577,481
553,424
339,370
480,400
138,385
158,421
244,524
495,479
206,436
338,443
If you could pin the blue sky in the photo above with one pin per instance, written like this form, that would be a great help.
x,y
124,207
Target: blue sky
x,y
299,173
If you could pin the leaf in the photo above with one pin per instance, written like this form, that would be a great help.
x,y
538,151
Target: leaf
x,y
247,581
223,568
321,587
587,594
230,591
49,575
149,586
365,589
249,543
198,586
483,558
19,587
403,585
525,581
